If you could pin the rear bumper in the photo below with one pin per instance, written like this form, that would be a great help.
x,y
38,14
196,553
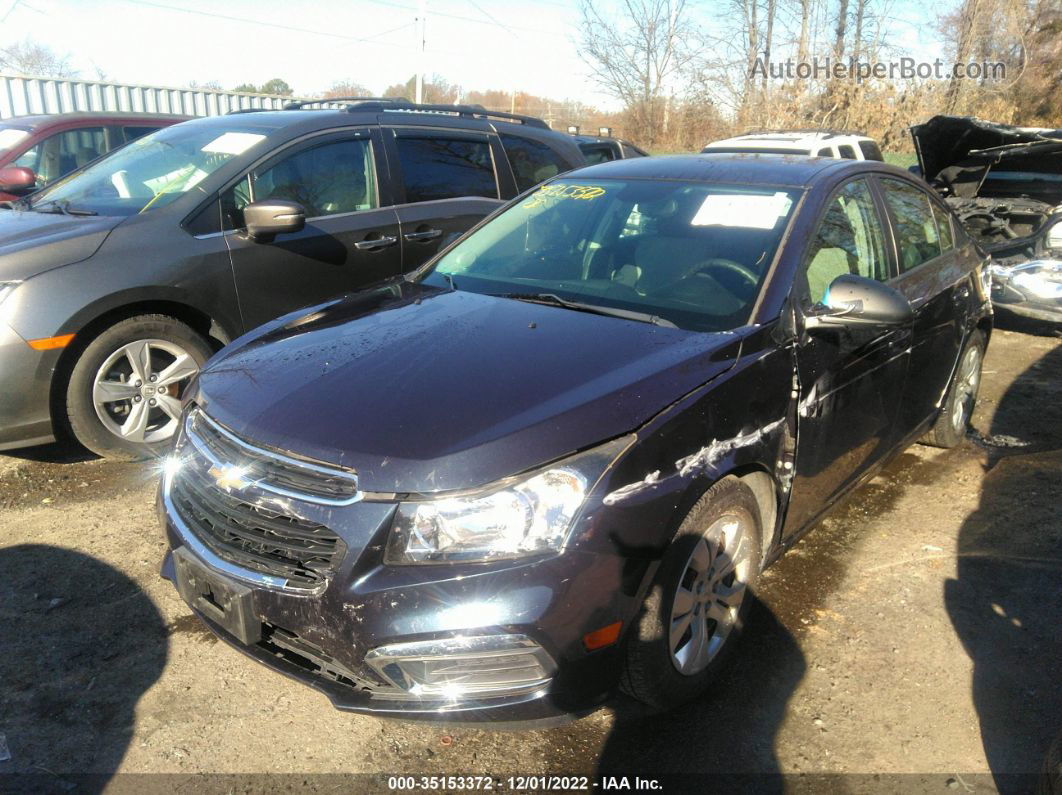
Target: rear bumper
x,y
25,415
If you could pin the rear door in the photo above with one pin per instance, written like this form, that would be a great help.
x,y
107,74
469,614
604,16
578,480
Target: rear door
x,y
938,287
351,237
851,379
445,181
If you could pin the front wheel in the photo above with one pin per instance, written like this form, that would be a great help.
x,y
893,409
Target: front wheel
x,y
124,395
697,604
959,403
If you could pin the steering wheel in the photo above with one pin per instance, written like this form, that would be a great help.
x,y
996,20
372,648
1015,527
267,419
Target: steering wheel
x,y
721,263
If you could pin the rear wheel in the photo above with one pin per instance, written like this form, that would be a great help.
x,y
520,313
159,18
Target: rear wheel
x,y
124,394
950,428
696,607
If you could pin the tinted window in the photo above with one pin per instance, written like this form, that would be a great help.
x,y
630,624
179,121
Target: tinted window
x,y
694,254
532,162
870,150
847,152
63,152
329,179
943,228
232,203
599,153
916,229
630,150
132,133
444,168
849,240
826,152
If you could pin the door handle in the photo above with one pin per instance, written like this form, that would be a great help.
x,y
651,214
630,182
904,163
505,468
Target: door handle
x,y
420,237
376,243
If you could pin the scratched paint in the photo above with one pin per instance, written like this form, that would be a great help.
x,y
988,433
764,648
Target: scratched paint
x,y
699,461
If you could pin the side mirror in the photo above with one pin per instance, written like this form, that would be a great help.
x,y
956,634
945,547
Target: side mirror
x,y
858,301
17,179
271,217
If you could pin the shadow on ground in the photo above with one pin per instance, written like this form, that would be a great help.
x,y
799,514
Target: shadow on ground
x,y
1006,603
71,671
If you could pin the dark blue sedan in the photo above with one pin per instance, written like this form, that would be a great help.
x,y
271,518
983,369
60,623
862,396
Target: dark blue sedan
x,y
553,462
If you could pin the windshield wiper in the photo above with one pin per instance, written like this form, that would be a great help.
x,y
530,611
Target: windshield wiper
x,y
555,300
60,207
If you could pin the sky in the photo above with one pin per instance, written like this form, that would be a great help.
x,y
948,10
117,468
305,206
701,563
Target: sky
x,y
528,46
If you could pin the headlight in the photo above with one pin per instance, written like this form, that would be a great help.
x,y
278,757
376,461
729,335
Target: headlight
x,y
528,517
1054,236
6,288
1043,282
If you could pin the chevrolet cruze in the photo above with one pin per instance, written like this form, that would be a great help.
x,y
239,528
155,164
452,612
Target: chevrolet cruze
x,y
551,463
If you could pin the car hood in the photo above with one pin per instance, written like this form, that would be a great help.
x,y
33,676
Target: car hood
x,y
420,390
965,148
32,242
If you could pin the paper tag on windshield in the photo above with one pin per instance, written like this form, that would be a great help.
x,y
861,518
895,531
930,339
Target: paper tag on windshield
x,y
750,211
10,137
232,143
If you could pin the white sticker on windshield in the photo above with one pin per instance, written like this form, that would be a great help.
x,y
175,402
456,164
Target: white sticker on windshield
x,y
747,210
232,143
10,137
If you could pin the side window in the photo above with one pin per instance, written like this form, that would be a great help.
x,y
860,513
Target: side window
x,y
847,152
943,228
61,153
436,167
632,151
598,154
870,150
849,240
917,239
532,162
332,178
132,133
232,203
825,152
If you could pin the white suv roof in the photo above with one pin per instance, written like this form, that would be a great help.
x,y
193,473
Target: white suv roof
x,y
819,143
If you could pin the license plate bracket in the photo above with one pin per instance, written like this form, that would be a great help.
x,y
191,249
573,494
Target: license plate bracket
x,y
225,602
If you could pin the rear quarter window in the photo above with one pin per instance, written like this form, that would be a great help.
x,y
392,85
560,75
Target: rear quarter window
x,y
870,150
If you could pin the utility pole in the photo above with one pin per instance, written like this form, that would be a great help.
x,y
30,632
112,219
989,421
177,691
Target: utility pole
x,y
422,13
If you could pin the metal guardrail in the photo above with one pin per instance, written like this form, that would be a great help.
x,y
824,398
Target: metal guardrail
x,y
22,95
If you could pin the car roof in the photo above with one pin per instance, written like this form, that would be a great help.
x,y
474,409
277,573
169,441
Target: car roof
x,y
796,171
34,121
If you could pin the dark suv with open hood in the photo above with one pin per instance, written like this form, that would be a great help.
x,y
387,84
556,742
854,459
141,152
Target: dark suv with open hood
x,y
1005,184
552,462
120,280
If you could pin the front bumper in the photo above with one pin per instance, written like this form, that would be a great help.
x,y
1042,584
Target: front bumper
x,y
322,636
1010,295
25,415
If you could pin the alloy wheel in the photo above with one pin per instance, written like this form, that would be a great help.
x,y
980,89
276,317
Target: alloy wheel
x,y
967,381
706,603
137,390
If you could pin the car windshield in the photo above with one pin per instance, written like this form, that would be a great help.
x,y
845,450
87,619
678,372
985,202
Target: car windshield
x,y
689,254
148,173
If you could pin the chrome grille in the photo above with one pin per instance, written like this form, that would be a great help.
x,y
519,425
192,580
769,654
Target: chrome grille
x,y
271,470
250,535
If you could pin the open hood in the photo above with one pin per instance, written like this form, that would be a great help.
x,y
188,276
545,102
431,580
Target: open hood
x,y
957,152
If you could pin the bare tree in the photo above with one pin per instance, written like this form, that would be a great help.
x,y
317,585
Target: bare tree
x,y
346,88
633,54
29,57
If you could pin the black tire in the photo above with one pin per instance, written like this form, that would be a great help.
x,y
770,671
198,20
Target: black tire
x,y
950,428
651,673
86,424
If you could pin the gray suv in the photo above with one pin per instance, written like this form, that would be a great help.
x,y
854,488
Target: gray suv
x,y
119,281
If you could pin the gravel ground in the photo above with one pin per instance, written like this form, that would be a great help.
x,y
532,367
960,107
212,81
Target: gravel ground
x,y
910,643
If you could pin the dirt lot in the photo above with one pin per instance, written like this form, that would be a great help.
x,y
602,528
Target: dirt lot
x,y
911,642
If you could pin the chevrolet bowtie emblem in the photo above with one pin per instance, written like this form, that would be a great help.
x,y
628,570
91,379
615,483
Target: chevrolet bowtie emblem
x,y
229,478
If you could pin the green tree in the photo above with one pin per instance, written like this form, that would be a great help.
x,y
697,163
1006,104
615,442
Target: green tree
x,y
276,86
247,88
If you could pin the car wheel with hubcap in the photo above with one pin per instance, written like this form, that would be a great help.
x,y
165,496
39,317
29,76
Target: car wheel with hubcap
x,y
698,601
124,395
950,428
